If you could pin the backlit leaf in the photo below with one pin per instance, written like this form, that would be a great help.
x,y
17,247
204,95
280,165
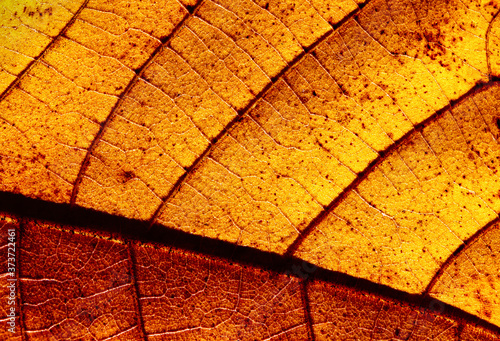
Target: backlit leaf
x,y
353,144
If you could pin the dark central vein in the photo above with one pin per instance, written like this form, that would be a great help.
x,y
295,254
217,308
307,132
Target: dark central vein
x,y
101,225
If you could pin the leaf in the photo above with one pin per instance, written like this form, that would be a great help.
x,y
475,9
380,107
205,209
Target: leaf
x,y
429,195
360,138
74,285
475,277
27,29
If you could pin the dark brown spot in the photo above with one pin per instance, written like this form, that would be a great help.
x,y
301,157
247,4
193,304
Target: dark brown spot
x,y
127,175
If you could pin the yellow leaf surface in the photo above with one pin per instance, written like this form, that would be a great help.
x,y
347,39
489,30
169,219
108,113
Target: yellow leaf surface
x,y
471,280
420,203
27,28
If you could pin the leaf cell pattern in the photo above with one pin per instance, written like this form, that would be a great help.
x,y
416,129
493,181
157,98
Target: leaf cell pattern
x,y
358,136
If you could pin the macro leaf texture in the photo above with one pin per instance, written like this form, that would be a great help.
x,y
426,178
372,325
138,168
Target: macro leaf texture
x,y
250,170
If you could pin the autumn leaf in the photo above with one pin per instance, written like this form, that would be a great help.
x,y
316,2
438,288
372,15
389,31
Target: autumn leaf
x,y
347,142
89,287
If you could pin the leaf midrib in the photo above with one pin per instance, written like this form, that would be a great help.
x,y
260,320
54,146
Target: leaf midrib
x,y
111,228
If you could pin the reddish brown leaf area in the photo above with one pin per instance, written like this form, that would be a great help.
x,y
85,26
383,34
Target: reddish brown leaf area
x,y
340,314
471,333
189,297
5,298
77,286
